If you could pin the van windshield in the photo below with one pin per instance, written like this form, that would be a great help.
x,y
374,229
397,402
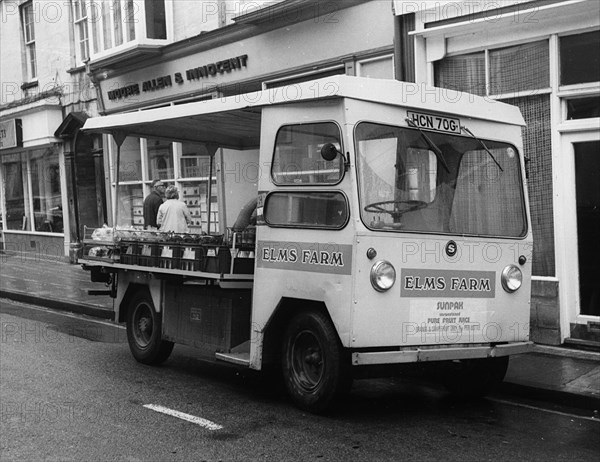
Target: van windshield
x,y
406,186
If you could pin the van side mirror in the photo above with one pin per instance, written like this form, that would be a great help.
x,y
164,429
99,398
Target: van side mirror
x,y
329,152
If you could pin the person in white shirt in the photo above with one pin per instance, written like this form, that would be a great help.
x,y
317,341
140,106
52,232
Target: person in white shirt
x,y
173,215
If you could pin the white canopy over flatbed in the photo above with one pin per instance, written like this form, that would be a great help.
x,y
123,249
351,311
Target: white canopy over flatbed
x,y
234,121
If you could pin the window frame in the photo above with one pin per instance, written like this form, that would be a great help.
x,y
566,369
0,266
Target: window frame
x,y
81,30
523,184
488,68
28,25
309,192
342,150
119,25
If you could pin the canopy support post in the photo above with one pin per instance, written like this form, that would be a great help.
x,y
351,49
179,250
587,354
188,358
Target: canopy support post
x,y
119,138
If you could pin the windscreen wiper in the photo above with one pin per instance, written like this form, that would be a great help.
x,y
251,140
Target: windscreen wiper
x,y
470,133
438,152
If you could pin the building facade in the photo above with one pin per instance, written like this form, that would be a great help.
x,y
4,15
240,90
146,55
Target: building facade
x,y
215,49
46,96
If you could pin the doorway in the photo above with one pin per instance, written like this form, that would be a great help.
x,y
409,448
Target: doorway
x,y
581,227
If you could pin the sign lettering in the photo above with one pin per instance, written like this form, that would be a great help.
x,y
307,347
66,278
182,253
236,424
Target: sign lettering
x,y
447,283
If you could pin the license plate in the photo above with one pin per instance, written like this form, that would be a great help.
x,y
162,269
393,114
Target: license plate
x,y
434,122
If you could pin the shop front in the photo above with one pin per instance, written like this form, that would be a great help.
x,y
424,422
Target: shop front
x,y
260,52
34,184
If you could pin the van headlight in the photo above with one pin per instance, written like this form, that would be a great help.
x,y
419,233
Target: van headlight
x,y
383,275
512,278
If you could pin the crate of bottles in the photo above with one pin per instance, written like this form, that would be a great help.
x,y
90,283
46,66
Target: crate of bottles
x,y
129,252
169,256
148,253
193,257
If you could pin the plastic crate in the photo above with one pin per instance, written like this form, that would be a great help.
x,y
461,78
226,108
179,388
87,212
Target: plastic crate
x,y
148,254
169,256
129,252
218,259
193,257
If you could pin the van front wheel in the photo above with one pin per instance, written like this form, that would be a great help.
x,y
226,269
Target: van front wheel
x,y
316,369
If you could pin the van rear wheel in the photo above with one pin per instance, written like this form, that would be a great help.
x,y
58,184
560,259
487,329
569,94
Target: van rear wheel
x,y
144,331
474,378
315,366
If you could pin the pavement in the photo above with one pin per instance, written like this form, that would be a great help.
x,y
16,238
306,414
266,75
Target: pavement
x,y
558,374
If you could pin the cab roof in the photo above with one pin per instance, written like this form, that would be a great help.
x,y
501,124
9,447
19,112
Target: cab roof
x,y
234,121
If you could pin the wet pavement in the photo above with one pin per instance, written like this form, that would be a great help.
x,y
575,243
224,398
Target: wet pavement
x,y
559,374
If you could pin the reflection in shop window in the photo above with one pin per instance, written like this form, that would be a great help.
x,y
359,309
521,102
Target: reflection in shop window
x,y
195,161
130,166
33,200
160,159
16,216
131,206
198,166
45,187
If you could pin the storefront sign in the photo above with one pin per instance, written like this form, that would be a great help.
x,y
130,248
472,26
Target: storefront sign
x,y
204,71
11,134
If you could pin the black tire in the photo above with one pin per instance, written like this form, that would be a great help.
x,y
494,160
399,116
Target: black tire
x,y
315,366
144,331
474,378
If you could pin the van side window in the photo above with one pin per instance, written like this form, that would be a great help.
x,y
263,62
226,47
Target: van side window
x,y
297,158
306,209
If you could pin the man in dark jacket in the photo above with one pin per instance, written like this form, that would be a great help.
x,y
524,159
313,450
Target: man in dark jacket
x,y
152,202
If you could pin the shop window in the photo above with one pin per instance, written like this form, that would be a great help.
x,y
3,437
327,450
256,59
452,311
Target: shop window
x,y
32,191
200,195
195,161
579,58
583,108
160,159
130,167
131,205
538,149
82,49
462,73
196,196
28,22
298,160
45,187
511,68
16,212
306,209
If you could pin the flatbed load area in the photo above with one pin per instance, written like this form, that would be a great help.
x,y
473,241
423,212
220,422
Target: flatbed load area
x,y
224,256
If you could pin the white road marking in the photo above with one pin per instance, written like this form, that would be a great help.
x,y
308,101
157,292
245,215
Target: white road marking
x,y
182,415
528,406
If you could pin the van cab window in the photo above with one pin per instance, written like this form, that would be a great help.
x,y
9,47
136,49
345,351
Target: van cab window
x,y
297,159
306,209
438,182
